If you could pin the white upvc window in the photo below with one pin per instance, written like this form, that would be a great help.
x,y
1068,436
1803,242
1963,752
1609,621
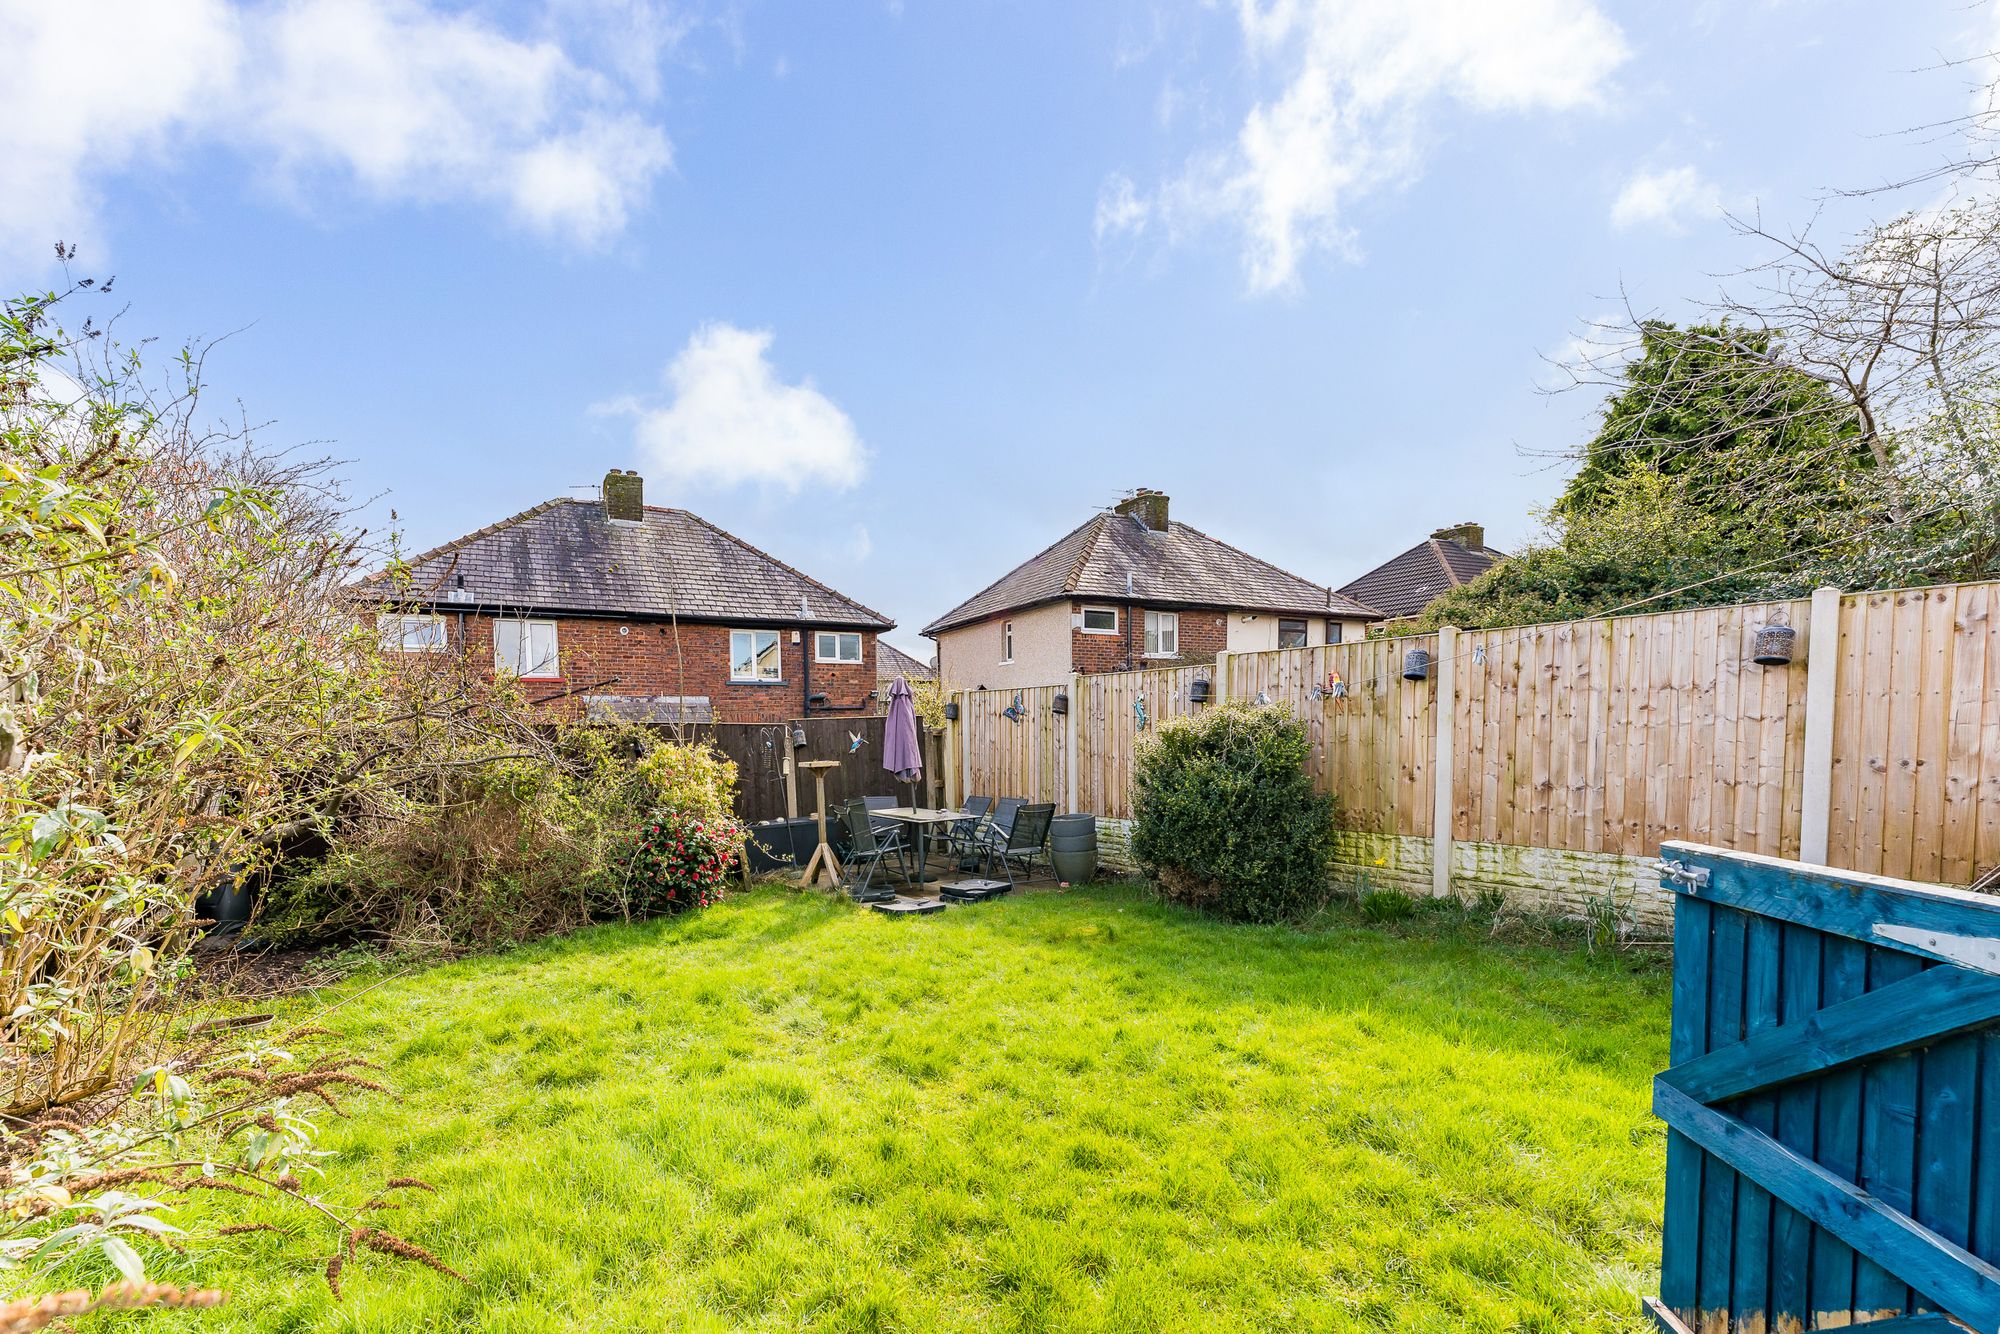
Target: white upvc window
x,y
754,655
1006,641
1163,634
412,634
1100,620
836,646
526,649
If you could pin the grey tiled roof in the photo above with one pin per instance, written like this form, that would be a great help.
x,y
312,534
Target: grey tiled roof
x,y
1404,585
564,555
891,662
647,709
1181,566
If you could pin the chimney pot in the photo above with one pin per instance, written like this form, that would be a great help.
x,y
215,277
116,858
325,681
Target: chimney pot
x,y
1148,506
624,496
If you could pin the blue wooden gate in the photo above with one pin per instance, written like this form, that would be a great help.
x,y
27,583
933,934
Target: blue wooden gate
x,y
1833,1102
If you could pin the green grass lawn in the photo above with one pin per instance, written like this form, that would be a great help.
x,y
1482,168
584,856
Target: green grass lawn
x,y
1082,1111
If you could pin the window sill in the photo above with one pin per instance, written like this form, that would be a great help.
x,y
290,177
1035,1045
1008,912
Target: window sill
x,y
751,681
1108,634
836,662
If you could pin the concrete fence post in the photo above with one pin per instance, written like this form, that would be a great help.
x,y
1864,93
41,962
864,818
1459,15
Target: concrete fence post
x,y
1444,719
1822,699
1222,676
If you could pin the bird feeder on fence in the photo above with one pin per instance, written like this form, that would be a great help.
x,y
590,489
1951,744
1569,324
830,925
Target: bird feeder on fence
x,y
1198,692
951,711
798,738
1060,704
1416,665
1773,645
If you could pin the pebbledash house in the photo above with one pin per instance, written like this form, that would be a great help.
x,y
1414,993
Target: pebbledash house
x,y
632,612
1134,588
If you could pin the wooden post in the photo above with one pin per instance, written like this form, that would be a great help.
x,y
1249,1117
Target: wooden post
x,y
823,860
1445,713
1822,698
954,741
1072,726
791,776
964,749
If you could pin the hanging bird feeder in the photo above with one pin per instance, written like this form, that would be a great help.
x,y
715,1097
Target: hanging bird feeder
x,y
1198,692
1416,665
1773,645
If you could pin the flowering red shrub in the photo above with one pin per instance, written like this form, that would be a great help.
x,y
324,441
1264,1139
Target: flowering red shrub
x,y
683,860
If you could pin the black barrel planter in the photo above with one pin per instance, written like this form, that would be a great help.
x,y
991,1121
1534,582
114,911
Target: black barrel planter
x,y
1073,847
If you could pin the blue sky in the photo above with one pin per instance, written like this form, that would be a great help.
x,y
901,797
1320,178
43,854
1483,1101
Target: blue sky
x,y
904,291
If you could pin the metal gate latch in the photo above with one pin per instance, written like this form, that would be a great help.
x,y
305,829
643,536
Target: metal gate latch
x,y
1685,874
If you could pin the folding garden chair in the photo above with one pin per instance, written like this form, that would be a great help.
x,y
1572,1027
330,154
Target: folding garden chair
x,y
963,833
866,851
1021,841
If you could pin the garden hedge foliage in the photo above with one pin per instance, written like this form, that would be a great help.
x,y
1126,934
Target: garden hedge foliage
x,y
1226,818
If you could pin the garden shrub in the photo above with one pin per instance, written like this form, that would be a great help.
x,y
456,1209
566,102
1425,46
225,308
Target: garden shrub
x,y
518,848
1226,818
690,778
682,862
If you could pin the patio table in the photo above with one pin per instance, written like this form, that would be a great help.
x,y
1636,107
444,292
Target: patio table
x,y
921,820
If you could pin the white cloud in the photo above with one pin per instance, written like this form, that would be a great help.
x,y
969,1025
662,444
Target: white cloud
x,y
407,102
1670,198
1350,88
731,420
1120,208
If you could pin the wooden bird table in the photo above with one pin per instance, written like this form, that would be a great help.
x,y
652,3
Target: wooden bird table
x,y
823,859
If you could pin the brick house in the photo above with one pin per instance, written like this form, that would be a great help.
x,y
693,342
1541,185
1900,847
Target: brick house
x,y
1133,588
634,612
1406,583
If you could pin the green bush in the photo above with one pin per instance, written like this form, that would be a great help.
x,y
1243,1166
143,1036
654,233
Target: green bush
x,y
1226,816
683,861
516,849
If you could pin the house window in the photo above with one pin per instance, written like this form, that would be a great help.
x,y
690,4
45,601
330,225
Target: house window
x,y
1334,631
412,634
526,648
1100,620
1163,634
1291,634
754,656
1006,641
829,646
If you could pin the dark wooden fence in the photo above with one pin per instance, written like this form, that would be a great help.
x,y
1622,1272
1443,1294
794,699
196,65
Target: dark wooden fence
x,y
1833,1103
760,749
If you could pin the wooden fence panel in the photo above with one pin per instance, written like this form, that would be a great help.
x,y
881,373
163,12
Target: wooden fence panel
x,y
1614,735
1117,710
1371,730
1018,744
1916,757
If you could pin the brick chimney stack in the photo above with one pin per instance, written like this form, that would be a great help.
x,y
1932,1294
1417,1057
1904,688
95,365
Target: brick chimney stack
x,y
1467,535
1148,507
624,496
